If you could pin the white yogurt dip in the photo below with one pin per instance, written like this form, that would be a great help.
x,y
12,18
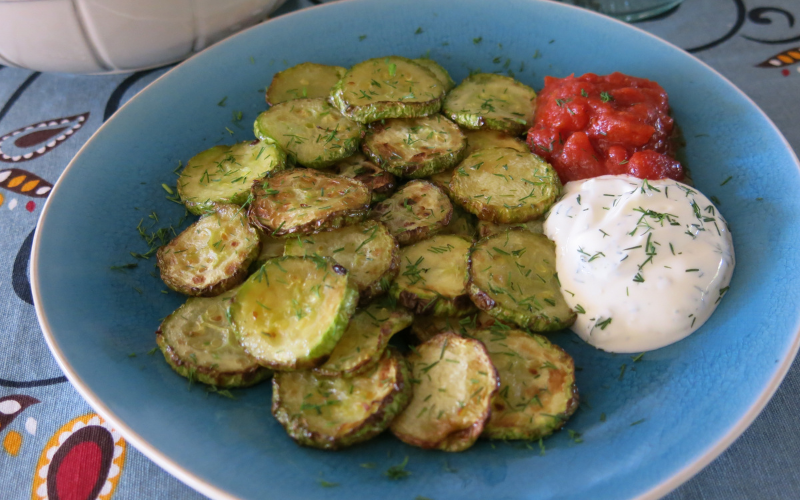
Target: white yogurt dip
x,y
644,263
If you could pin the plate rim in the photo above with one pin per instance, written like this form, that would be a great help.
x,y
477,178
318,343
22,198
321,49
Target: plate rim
x,y
203,486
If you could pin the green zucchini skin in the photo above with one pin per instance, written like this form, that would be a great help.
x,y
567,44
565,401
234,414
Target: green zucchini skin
x,y
301,325
493,275
224,174
537,385
404,90
326,201
488,100
311,131
438,71
415,147
486,228
505,186
305,80
391,375
433,277
206,318
225,239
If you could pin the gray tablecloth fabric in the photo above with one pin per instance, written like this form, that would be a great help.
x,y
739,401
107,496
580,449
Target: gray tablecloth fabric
x,y
45,118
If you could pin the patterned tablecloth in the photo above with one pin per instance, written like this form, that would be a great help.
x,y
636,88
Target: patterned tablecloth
x,y
50,447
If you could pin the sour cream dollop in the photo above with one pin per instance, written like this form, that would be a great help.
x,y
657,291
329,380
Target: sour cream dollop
x,y
644,263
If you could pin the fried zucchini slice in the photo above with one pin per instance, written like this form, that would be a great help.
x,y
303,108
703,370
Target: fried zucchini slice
x,y
212,255
387,87
290,314
415,147
486,228
462,224
305,80
334,413
438,71
198,342
312,131
416,211
224,174
513,277
306,201
454,383
505,186
487,138
433,277
487,100
367,251
426,327
365,340
537,385
358,167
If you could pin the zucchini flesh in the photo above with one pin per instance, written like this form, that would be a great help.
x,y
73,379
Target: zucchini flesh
x,y
537,385
365,340
415,147
334,413
416,211
306,201
454,383
271,247
486,228
358,167
367,251
290,314
312,131
461,224
442,180
387,87
198,342
513,277
224,174
425,328
486,138
433,277
441,74
305,80
212,255
505,186
487,100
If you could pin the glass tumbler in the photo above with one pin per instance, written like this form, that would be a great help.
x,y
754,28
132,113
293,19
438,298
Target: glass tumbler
x,y
627,10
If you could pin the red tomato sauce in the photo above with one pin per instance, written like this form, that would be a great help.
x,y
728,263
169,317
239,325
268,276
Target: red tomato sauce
x,y
605,125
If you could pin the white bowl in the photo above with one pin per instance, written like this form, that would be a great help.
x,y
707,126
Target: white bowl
x,y
113,36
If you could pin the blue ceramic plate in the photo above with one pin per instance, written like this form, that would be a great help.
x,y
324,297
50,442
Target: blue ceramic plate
x,y
691,400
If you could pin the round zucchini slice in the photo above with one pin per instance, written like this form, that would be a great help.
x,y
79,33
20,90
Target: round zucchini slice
x,y
271,247
442,181
486,138
461,224
513,277
305,80
334,413
225,174
454,383
433,277
505,186
358,167
306,201
290,314
367,250
487,100
438,71
198,342
486,228
537,385
416,211
387,87
365,340
312,131
415,147
212,255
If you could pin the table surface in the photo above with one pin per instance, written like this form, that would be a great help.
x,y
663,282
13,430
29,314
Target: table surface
x,y
46,118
